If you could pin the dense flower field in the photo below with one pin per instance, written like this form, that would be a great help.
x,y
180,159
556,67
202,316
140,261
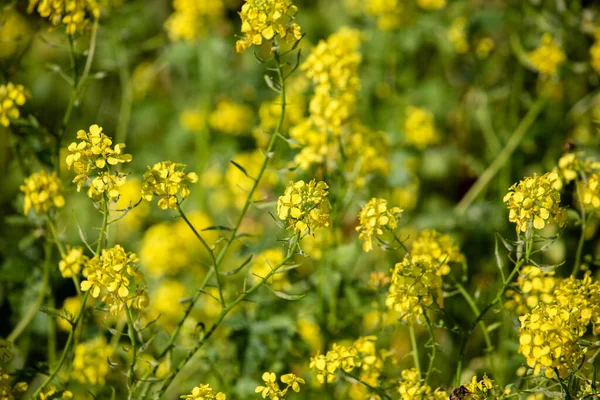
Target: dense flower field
x,y
299,199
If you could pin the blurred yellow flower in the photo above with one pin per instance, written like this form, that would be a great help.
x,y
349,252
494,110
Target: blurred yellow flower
x,y
90,363
11,98
263,263
165,301
533,286
431,4
387,12
419,128
74,14
193,119
412,387
457,34
42,191
72,262
232,118
191,18
438,249
548,56
204,392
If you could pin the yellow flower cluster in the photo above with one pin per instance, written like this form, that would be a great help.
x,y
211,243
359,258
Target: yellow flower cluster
x,y
387,12
42,191
74,14
368,150
590,191
232,118
595,52
582,298
10,390
90,365
457,34
11,98
271,388
265,19
52,393
191,18
431,4
166,179
573,166
361,354
419,128
204,392
305,206
533,286
72,262
193,119
114,273
373,218
412,387
416,284
535,202
548,56
480,390
95,152
438,249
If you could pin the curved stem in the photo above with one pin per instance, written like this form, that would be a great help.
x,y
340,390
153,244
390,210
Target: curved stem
x,y
104,225
471,302
209,250
131,332
415,348
433,346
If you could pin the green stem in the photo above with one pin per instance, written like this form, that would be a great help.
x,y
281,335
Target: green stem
x,y
131,331
380,391
415,348
582,236
104,225
513,142
209,250
433,346
471,302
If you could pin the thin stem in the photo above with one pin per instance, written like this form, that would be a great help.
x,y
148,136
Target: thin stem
x,y
513,142
131,332
209,250
379,391
104,225
433,346
582,236
471,302
415,348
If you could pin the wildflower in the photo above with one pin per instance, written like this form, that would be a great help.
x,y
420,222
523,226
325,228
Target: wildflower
x,y
70,308
42,191
53,393
192,120
304,206
419,128
533,286
374,218
590,191
387,12
482,389
9,389
204,392
271,388
595,52
95,152
416,284
368,150
191,19
535,201
11,98
265,19
484,47
113,273
166,179
231,118
90,363
457,34
431,4
72,262
548,56
74,14
412,387
438,249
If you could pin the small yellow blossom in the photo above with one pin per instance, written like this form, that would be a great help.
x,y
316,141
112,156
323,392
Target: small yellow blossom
x,y
232,118
374,217
11,98
52,393
533,286
271,388
191,18
72,262
192,119
484,47
70,308
438,249
431,4
204,392
535,202
457,34
548,56
590,191
90,363
419,128
166,180
42,191
413,387
265,19
480,390
305,206
387,12
74,14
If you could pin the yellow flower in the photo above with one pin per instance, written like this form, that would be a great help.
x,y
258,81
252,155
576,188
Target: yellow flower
x,y
438,249
271,388
42,191
11,98
457,34
548,56
72,262
484,47
535,202
304,206
90,363
431,4
166,180
412,387
193,119
292,381
265,19
590,191
70,308
9,389
52,393
533,286
115,275
595,52
191,18
232,118
419,128
416,284
480,390
387,12
204,392
166,302
130,209
74,14
374,217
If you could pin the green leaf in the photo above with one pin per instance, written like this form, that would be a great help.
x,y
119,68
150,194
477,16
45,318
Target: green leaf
x,y
286,296
238,166
238,269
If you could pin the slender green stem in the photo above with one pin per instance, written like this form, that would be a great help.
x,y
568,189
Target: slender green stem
x,y
414,346
380,391
209,250
294,245
104,225
66,350
432,354
131,331
579,252
471,302
513,142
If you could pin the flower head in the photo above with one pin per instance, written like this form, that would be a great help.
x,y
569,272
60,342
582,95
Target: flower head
x,y
53,393
457,34
191,18
11,98
72,262
265,19
535,201
304,205
374,217
90,365
204,392
437,248
387,12
166,180
42,191
74,14
413,387
533,286
419,128
232,118
9,389
271,388
548,56
480,389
